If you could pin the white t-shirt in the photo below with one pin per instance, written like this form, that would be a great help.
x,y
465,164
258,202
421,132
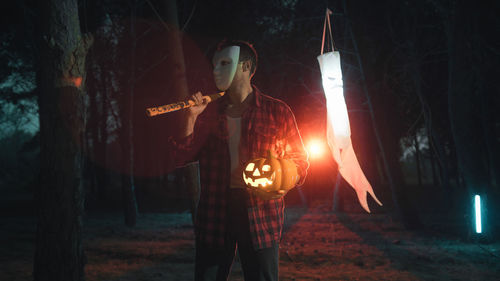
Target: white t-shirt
x,y
234,130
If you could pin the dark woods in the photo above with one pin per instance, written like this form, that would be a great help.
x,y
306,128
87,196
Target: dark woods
x,y
420,85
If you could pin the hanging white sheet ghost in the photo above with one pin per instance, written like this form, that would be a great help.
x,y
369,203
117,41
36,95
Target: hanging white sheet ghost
x,y
338,130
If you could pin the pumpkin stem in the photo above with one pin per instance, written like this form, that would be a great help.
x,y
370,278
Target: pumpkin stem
x,y
271,154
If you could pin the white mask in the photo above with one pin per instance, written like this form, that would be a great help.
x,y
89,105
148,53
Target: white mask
x,y
225,62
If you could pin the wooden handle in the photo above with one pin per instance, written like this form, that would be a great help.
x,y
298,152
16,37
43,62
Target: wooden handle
x,y
153,111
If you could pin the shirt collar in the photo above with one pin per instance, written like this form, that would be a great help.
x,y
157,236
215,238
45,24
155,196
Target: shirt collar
x,y
255,95
258,96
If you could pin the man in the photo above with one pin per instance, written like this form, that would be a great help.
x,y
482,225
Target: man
x,y
242,125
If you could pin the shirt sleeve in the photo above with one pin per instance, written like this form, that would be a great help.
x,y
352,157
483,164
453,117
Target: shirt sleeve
x,y
182,149
186,150
294,147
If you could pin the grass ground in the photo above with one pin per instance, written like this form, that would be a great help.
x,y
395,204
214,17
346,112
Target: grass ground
x,y
317,245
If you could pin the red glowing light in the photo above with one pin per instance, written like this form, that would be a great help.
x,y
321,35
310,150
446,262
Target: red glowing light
x,y
315,148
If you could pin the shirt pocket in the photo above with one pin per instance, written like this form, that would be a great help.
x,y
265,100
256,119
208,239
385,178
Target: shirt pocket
x,y
264,138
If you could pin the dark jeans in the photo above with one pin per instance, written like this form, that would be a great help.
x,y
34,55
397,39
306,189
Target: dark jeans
x,y
257,265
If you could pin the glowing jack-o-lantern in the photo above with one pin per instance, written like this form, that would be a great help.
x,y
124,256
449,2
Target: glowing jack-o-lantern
x,y
270,174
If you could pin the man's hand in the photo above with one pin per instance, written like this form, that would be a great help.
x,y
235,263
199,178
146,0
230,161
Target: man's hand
x,y
199,105
268,195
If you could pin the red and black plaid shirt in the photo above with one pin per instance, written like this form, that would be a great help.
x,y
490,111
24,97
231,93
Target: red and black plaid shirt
x,y
267,124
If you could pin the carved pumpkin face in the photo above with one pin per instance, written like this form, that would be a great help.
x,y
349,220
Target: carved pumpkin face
x,y
270,174
259,173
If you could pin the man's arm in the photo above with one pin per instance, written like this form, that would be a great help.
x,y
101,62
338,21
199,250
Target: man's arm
x,y
294,147
293,150
184,145
192,113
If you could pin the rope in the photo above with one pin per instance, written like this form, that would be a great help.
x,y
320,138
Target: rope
x,y
327,19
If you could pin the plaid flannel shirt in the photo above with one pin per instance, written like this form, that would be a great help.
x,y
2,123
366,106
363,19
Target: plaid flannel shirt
x,y
267,124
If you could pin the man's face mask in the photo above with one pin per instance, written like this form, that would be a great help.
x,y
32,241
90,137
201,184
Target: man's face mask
x,y
225,62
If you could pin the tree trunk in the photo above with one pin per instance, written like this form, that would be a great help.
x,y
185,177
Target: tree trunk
x,y
190,172
191,175
128,187
60,80
129,201
487,58
439,152
92,133
435,181
336,205
464,100
417,159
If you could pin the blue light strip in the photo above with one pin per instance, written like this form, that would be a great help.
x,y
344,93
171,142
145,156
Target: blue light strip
x,y
477,205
